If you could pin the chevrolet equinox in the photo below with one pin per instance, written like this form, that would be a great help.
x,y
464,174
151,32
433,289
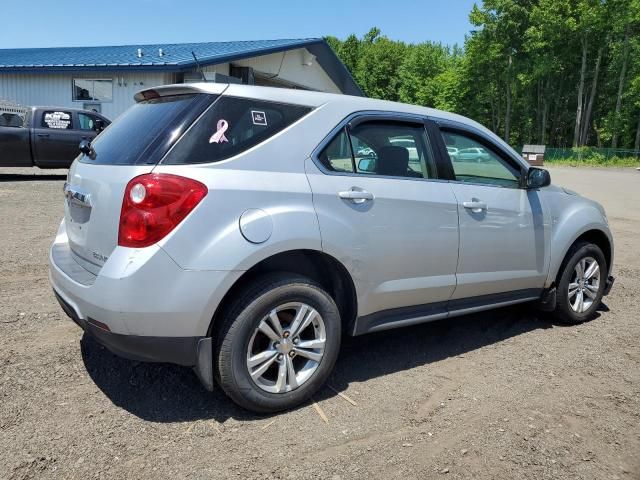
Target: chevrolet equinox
x,y
243,230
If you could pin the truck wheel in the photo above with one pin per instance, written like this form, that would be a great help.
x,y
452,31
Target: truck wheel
x,y
277,342
581,284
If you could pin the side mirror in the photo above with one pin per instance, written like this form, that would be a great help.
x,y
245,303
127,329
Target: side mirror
x,y
98,125
86,148
367,165
538,178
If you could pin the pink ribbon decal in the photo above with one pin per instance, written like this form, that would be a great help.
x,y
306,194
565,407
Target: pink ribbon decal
x,y
219,137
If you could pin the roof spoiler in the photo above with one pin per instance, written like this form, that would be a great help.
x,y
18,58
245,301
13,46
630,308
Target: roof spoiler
x,y
179,89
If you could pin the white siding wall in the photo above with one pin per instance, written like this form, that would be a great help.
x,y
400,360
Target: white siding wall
x,y
221,68
293,70
55,89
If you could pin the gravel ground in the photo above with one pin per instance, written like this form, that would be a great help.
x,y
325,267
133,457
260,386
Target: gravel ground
x,y
505,394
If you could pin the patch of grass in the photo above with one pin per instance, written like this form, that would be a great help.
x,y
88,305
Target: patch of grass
x,y
596,161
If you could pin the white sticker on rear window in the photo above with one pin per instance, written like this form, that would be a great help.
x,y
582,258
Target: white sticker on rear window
x,y
259,118
218,136
60,120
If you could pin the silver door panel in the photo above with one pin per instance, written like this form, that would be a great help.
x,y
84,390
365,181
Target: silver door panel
x,y
503,247
401,247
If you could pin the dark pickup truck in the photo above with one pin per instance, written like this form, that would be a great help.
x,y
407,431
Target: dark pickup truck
x,y
45,137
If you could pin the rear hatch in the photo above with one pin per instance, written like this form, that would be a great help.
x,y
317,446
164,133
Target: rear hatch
x,y
129,147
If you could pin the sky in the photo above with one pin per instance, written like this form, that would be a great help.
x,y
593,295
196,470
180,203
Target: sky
x,y
66,23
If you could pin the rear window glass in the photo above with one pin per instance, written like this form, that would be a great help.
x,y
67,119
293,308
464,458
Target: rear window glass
x,y
11,120
144,132
231,126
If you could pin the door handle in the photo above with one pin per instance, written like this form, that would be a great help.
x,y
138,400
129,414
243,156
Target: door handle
x,y
356,196
42,134
475,206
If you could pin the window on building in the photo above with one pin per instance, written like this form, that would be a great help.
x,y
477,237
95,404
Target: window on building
x,y
99,90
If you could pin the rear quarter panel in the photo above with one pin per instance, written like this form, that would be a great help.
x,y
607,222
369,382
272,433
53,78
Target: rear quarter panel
x,y
269,177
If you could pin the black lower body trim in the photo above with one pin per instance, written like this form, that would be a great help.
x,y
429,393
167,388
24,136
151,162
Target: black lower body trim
x,y
69,311
178,350
405,316
399,317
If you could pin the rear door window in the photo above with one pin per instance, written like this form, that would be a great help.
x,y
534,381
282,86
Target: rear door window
x,y
337,155
383,148
144,133
231,126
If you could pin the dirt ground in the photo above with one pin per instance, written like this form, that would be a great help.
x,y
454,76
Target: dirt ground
x,y
506,394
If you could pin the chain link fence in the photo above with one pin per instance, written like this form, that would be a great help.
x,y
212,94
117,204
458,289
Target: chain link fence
x,y
589,154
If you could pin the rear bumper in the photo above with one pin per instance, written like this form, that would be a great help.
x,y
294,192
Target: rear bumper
x,y
196,352
142,305
178,350
139,292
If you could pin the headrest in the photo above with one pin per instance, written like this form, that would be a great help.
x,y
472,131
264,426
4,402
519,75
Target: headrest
x,y
393,161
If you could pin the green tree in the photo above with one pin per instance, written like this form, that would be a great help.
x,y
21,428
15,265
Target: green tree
x,y
558,72
499,47
378,67
421,72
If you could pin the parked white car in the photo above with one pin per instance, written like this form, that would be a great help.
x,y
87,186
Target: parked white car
x,y
473,154
453,153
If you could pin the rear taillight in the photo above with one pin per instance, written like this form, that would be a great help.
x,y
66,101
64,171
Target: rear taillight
x,y
153,205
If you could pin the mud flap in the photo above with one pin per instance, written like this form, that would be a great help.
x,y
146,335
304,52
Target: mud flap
x,y
547,302
204,363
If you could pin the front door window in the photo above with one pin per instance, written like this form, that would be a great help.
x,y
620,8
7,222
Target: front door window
x,y
473,162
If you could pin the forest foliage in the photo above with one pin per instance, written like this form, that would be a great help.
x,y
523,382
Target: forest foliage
x,y
565,73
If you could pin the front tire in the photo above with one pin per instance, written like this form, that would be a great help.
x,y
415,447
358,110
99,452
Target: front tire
x,y
581,283
277,343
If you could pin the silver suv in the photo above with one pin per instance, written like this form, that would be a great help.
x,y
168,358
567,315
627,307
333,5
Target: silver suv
x,y
243,230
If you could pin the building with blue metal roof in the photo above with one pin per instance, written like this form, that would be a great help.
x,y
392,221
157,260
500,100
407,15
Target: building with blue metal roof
x,y
106,78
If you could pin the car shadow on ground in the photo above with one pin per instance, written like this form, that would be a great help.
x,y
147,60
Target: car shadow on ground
x,y
20,177
168,393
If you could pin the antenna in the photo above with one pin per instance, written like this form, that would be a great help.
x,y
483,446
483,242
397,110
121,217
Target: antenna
x,y
198,65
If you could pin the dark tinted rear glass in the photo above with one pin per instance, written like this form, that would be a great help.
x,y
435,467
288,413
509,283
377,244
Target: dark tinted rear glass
x,y
145,131
230,126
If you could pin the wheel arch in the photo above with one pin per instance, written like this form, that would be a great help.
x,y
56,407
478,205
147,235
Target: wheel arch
x,y
321,267
598,237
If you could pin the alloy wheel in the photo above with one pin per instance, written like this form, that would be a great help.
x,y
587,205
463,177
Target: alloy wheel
x,y
584,285
286,348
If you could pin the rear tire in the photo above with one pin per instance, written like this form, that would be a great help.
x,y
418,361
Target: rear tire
x,y
277,342
581,283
